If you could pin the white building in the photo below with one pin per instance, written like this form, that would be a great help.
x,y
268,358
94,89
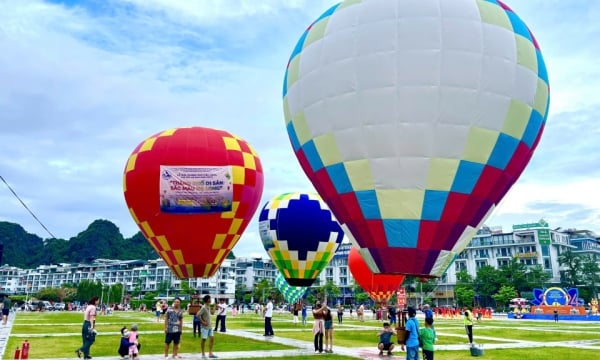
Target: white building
x,y
533,244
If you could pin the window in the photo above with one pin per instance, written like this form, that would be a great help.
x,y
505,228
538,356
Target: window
x,y
503,262
461,266
480,263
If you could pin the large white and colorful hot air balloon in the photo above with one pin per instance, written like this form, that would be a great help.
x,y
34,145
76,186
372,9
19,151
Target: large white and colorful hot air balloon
x,y
413,119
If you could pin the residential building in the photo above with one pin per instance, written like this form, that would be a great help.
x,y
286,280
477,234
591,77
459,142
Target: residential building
x,y
533,244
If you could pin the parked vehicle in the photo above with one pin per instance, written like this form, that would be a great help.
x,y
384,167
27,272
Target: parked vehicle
x,y
59,306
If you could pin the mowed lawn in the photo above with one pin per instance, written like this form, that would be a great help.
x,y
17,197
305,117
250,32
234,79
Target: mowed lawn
x,y
58,334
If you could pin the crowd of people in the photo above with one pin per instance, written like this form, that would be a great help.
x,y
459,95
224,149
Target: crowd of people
x,y
399,322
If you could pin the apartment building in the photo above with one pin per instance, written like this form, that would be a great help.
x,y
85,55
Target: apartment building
x,y
533,244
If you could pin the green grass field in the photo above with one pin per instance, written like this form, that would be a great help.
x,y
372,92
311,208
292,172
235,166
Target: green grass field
x,y
57,334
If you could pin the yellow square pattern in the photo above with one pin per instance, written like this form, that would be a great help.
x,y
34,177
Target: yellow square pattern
x,y
480,144
493,14
526,54
517,119
231,143
541,98
441,173
360,175
328,149
400,203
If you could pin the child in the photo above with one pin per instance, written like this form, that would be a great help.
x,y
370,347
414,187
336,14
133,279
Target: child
x,y
427,335
385,340
124,344
133,340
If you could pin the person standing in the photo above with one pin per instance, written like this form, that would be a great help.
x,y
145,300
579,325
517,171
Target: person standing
x,y
196,324
392,315
304,314
328,325
360,313
88,330
468,321
411,335
340,313
318,326
428,337
221,313
158,310
173,328
5,309
206,330
295,311
268,316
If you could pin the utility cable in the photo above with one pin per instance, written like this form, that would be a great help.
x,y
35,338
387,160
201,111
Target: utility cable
x,y
25,206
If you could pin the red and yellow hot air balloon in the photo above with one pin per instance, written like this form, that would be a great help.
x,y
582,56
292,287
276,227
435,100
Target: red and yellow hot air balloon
x,y
380,287
192,192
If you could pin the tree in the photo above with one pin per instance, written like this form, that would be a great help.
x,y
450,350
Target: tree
x,y
537,277
240,293
573,263
49,294
329,290
504,295
590,275
262,290
464,291
186,288
487,283
514,274
360,296
87,289
164,287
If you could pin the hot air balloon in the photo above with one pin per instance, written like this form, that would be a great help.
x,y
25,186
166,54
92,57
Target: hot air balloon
x,y
291,294
300,234
413,119
192,192
380,287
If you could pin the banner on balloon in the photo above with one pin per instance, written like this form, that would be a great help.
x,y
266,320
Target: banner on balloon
x,y
212,176
195,189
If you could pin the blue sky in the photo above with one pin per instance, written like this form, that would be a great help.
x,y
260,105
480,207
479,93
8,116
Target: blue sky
x,y
83,82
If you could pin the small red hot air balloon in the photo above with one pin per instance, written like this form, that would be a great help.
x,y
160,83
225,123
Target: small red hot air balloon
x,y
192,192
380,287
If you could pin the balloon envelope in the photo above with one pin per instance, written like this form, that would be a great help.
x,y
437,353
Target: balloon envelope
x,y
380,287
300,234
290,293
413,119
192,192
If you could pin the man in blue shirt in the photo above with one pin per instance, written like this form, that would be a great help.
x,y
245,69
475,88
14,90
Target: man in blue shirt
x,y
411,336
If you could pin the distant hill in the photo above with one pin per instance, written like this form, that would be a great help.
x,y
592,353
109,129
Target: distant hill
x,y
101,240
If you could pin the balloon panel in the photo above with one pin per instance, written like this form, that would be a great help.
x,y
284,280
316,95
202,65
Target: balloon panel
x,y
413,119
192,192
291,293
300,235
380,287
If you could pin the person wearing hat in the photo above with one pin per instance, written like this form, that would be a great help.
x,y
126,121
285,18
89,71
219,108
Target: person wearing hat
x,y
411,335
